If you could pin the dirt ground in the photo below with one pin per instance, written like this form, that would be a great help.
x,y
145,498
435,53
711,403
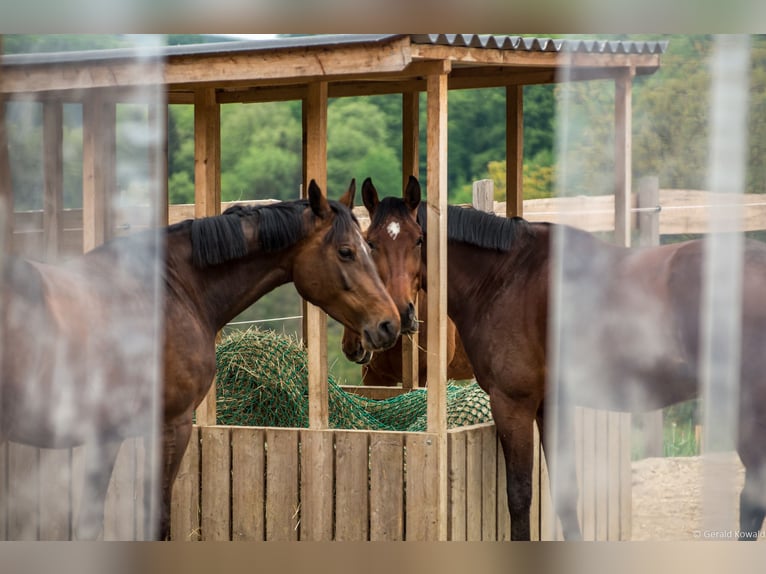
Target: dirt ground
x,y
668,499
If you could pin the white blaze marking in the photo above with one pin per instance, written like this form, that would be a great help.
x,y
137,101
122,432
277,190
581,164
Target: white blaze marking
x,y
393,229
363,243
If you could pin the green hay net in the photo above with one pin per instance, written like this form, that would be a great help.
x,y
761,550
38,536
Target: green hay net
x,y
262,380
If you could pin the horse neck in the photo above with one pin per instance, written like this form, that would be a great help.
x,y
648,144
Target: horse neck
x,y
469,270
477,275
221,292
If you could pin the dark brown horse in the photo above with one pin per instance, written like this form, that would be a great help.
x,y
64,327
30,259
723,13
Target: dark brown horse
x,y
640,307
77,339
400,271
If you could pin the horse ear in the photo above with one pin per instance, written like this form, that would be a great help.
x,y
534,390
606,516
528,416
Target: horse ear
x,y
411,193
348,198
369,195
318,202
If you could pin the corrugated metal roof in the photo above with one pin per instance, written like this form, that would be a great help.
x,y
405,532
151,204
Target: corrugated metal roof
x,y
211,48
515,43
521,44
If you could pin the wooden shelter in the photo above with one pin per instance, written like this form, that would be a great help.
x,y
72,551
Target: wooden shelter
x,y
314,69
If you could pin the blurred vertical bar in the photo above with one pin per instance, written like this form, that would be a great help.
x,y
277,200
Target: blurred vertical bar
x,y
721,328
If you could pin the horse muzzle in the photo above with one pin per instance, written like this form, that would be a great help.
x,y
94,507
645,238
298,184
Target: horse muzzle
x,y
355,352
409,320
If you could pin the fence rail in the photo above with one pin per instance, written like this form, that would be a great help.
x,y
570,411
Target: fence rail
x,y
681,212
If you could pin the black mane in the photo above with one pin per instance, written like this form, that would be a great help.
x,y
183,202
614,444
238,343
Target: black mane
x,y
221,238
481,229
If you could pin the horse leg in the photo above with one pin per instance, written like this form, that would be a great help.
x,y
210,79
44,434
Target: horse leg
x,y
513,421
99,464
175,438
752,504
566,476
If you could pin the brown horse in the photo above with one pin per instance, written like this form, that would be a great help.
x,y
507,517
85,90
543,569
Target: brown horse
x,y
77,339
400,272
640,307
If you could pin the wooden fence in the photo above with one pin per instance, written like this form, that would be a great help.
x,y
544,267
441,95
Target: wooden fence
x,y
249,483
252,483
681,212
40,492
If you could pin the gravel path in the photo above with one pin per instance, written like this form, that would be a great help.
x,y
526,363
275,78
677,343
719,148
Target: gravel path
x,y
667,498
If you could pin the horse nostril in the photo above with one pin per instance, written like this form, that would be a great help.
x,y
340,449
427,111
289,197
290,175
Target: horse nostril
x,y
388,328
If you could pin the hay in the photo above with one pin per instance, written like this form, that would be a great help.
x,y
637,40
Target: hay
x,y
262,380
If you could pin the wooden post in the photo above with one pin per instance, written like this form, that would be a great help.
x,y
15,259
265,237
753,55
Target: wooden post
x,y
483,195
317,473
649,235
98,156
158,159
207,192
514,151
622,155
315,337
53,161
410,147
623,113
6,187
436,246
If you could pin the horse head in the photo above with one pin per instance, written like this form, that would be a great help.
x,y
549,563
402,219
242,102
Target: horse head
x,y
395,239
334,270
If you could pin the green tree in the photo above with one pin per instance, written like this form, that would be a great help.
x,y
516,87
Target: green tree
x,y
358,146
261,151
181,153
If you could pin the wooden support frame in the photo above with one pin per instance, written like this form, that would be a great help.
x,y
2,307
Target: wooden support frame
x,y
53,174
410,161
158,159
514,151
315,320
207,192
436,247
623,94
317,468
98,157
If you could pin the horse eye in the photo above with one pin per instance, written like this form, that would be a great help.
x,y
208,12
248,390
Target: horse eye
x,y
419,242
371,244
346,253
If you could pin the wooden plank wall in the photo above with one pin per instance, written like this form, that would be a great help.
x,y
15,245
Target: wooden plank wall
x,y
40,492
247,483
265,474
478,499
367,488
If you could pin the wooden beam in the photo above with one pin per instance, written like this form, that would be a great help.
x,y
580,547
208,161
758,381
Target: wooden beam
x,y
315,335
410,161
53,167
436,247
622,156
310,63
466,55
514,151
207,193
409,80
